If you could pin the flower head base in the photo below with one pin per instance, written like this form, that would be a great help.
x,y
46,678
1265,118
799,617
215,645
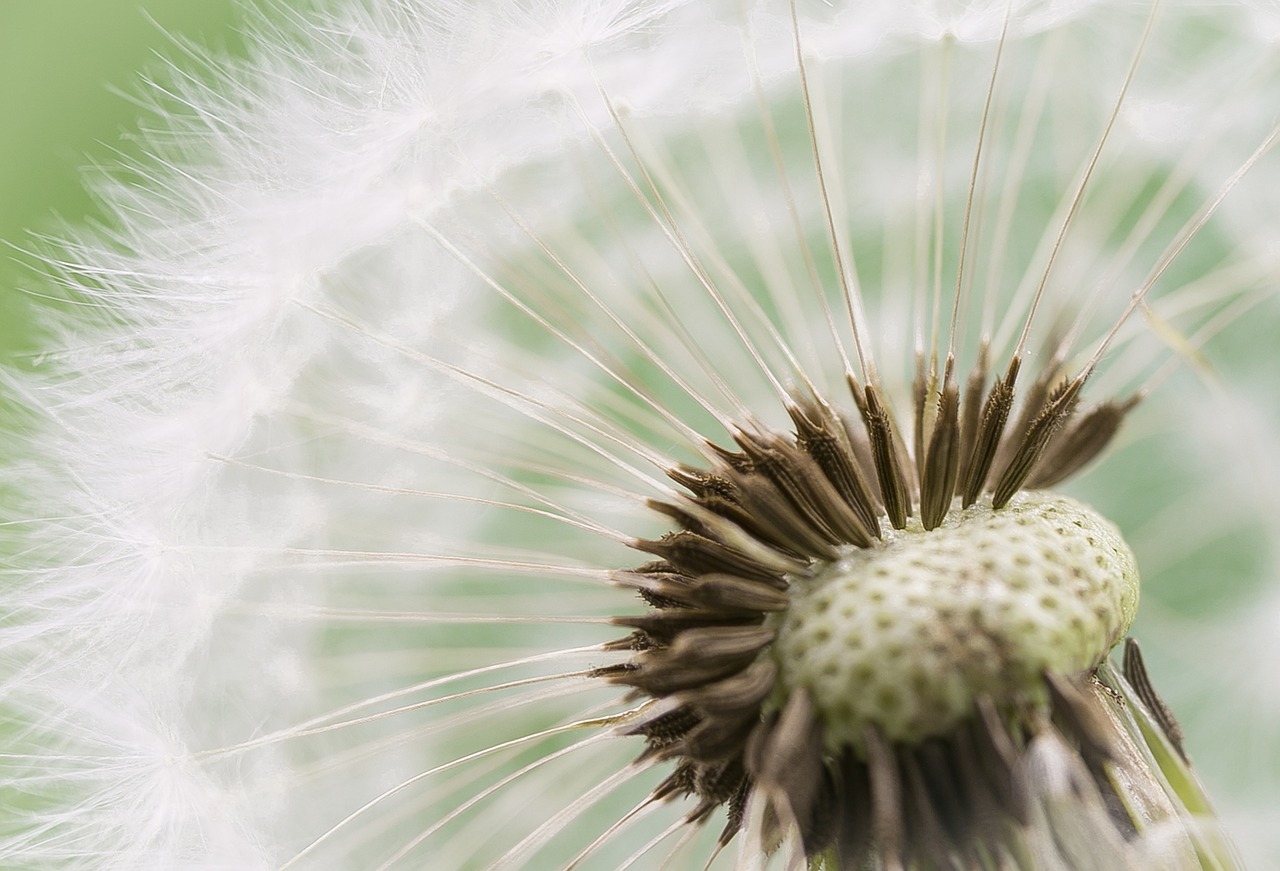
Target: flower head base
x,y
927,622
874,672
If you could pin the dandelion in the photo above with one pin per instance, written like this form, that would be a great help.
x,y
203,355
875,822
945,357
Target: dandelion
x,y
619,434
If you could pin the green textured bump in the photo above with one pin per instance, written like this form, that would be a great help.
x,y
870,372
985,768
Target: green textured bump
x,y
907,634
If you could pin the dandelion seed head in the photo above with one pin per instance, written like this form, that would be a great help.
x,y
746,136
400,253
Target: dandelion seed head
x,y
393,346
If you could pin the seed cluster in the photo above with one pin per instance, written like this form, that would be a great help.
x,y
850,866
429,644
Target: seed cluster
x,y
833,620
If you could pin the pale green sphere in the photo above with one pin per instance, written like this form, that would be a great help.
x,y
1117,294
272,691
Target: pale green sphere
x,y
907,634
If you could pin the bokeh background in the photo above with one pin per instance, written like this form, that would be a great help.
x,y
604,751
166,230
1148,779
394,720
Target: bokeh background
x,y
68,69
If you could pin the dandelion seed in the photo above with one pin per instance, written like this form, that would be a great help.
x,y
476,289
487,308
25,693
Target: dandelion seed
x,y
619,435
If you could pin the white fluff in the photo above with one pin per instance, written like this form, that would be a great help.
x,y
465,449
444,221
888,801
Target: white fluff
x,y
256,459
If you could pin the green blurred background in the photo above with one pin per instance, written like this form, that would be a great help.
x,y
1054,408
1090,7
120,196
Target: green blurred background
x,y
67,69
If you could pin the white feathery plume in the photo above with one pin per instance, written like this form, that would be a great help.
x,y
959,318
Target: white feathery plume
x,y
361,393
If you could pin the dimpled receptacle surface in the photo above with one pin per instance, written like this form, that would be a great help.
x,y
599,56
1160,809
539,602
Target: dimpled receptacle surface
x,y
905,635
